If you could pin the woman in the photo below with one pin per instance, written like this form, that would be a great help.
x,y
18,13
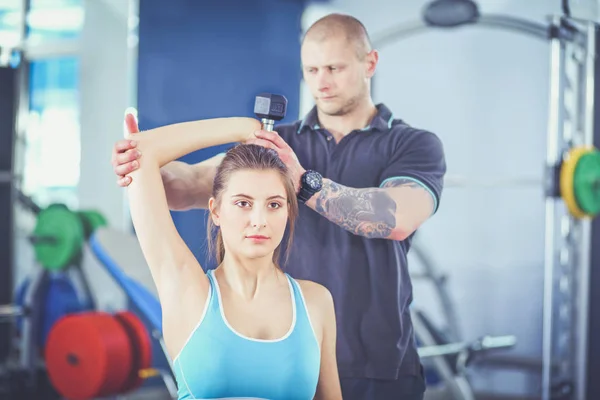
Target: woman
x,y
245,329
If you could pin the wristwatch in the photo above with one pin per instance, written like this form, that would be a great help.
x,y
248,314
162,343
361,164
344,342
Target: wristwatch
x,y
310,183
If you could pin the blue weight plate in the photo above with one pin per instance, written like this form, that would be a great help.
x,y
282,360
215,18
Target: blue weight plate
x,y
62,298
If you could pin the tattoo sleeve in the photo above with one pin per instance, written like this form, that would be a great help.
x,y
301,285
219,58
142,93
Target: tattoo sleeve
x,y
369,212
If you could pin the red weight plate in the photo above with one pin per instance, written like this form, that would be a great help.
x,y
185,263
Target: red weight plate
x,y
141,345
87,355
119,352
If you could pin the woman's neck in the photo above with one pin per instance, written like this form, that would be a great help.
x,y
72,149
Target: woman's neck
x,y
245,277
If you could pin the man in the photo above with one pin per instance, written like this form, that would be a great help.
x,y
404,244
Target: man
x,y
367,181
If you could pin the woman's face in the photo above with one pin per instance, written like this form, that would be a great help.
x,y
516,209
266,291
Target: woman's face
x,y
252,214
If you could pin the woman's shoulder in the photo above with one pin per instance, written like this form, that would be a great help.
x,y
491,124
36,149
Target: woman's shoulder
x,y
315,294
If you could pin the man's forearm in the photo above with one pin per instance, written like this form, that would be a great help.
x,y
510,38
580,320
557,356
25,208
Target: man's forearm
x,y
368,212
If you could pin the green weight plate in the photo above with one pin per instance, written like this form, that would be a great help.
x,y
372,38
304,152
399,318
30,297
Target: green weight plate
x,y
58,237
91,220
587,183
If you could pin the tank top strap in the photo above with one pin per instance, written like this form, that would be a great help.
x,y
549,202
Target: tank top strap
x,y
298,298
214,294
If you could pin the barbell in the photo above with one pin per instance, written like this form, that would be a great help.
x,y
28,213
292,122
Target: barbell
x,y
576,180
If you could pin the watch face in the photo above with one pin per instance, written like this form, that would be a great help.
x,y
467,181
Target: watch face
x,y
313,180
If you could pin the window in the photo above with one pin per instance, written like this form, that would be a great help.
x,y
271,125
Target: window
x,y
54,20
10,22
52,142
50,149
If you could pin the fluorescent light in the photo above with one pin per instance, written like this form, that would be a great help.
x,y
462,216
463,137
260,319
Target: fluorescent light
x,y
60,19
10,4
9,38
70,19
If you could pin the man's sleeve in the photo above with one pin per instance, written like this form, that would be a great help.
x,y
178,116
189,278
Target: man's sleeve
x,y
419,157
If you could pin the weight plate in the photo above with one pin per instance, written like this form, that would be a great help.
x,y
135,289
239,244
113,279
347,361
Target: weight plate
x,y
567,180
88,355
141,346
58,237
91,220
587,183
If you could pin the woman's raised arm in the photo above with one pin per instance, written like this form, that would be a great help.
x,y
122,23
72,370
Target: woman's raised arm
x,y
168,257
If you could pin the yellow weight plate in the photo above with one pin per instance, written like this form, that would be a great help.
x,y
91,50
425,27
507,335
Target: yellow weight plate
x,y
567,174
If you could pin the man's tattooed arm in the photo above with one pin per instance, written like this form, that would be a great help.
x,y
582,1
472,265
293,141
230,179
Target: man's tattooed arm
x,y
393,211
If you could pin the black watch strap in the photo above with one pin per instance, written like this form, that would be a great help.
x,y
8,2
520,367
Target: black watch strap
x,y
304,194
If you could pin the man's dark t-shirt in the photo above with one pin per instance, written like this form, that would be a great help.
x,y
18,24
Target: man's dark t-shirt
x,y
368,278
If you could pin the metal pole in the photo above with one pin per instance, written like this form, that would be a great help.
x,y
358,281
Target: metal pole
x,y
405,30
432,272
583,278
552,157
512,23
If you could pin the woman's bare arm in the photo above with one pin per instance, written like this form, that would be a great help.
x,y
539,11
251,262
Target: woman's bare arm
x,y
167,255
329,381
187,186
322,316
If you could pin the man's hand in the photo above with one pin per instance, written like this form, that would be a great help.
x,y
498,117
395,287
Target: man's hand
x,y
125,154
273,141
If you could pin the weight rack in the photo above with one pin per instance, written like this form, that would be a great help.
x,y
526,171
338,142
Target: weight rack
x,y
593,346
568,239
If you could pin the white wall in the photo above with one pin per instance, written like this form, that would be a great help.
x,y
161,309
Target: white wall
x,y
586,9
485,93
105,94
107,89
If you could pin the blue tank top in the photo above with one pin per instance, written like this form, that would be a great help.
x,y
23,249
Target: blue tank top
x,y
217,362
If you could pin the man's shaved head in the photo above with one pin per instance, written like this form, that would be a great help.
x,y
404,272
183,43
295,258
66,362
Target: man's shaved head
x,y
337,64
341,26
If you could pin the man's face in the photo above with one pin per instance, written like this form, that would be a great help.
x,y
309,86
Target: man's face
x,y
338,79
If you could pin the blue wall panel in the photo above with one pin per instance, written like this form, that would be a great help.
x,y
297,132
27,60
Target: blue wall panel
x,y
207,59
